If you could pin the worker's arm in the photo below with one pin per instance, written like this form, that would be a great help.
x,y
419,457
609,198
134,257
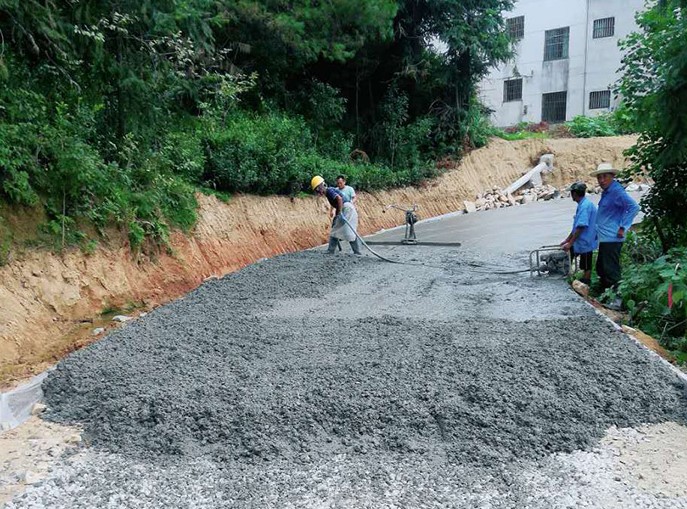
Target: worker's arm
x,y
339,206
567,243
630,211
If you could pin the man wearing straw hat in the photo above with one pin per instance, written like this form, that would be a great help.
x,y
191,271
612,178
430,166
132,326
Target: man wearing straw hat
x,y
616,212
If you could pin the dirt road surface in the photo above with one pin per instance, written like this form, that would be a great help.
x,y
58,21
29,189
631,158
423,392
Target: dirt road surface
x,y
310,380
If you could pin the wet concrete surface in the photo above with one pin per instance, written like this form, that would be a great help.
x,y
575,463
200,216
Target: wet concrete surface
x,y
502,231
311,380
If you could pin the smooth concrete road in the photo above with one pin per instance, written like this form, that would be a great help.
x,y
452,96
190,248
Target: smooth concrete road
x,y
507,230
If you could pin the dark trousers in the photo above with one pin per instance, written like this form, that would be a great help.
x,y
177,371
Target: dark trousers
x,y
608,263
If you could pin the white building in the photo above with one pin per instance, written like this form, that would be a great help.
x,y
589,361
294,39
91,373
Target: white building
x,y
567,59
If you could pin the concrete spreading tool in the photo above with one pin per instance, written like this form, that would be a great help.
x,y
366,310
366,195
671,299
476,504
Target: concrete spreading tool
x,y
409,237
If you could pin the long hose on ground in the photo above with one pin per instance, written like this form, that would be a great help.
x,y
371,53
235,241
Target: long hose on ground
x,y
419,264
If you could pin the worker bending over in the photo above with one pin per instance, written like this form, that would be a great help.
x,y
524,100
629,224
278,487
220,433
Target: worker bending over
x,y
582,240
341,230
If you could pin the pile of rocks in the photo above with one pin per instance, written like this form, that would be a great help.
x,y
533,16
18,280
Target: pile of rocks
x,y
496,198
544,192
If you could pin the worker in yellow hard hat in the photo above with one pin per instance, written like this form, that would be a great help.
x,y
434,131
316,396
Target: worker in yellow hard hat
x,y
345,221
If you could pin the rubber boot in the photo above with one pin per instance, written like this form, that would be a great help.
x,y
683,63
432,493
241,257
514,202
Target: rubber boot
x,y
355,246
333,244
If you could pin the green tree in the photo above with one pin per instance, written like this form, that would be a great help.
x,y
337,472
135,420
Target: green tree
x,y
654,89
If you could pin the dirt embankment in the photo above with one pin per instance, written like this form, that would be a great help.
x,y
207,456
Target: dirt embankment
x,y
48,301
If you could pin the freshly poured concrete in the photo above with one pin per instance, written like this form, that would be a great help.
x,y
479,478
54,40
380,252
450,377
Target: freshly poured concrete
x,y
335,381
502,231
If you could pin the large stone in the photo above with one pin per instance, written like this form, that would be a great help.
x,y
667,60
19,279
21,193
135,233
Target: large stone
x,y
38,408
470,207
75,438
547,159
580,288
30,477
121,318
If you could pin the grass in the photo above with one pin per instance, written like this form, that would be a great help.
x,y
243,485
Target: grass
x,y
220,195
520,135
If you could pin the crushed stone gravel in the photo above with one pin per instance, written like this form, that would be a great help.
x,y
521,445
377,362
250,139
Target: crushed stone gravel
x,y
309,381
212,374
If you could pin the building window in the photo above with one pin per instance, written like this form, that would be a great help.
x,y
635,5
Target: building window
x,y
512,90
553,107
604,28
556,44
601,99
515,27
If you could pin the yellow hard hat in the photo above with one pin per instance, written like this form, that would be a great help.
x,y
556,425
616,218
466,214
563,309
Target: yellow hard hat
x,y
316,181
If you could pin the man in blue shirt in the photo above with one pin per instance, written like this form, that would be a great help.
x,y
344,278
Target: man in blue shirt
x,y
582,240
616,213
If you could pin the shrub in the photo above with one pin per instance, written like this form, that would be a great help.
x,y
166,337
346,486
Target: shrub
x,y
50,158
610,124
275,153
522,131
258,153
587,127
647,282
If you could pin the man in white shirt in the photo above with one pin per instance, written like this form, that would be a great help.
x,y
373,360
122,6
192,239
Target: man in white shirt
x,y
347,191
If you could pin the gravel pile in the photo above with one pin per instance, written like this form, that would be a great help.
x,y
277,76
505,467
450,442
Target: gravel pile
x,y
217,375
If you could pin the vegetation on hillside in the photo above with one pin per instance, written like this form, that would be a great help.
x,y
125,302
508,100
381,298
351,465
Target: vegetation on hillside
x,y
654,291
117,112
654,88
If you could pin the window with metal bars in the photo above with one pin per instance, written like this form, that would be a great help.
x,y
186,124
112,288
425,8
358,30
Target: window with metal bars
x,y
553,107
512,90
515,27
604,28
600,99
556,44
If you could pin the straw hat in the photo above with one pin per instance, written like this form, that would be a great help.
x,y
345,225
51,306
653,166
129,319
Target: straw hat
x,y
604,168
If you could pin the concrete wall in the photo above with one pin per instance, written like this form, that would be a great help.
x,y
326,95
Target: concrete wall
x,y
592,64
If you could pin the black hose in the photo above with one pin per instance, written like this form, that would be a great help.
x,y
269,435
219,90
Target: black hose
x,y
383,257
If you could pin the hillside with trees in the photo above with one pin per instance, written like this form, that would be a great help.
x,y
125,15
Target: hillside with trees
x,y
118,112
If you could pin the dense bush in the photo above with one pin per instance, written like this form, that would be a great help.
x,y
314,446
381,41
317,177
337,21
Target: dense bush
x,y
610,124
653,87
648,281
276,153
118,112
51,156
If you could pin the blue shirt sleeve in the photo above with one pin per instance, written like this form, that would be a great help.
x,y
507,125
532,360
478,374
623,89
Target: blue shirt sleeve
x,y
630,210
585,216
